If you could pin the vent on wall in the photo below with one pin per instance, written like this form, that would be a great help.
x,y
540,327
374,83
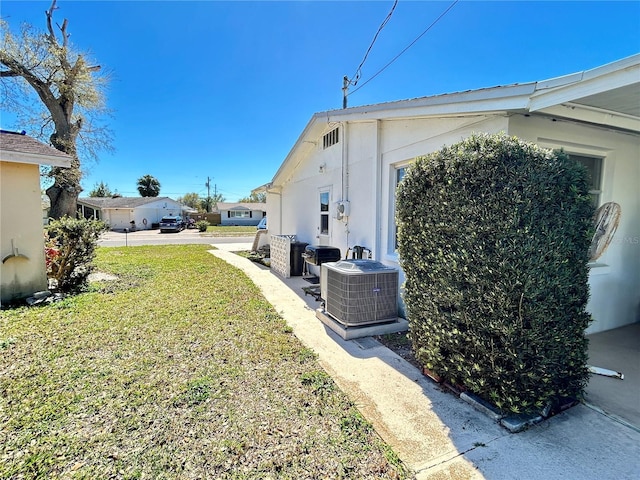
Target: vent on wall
x,y
359,292
330,138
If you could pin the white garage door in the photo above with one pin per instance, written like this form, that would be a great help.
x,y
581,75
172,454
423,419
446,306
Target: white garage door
x,y
120,219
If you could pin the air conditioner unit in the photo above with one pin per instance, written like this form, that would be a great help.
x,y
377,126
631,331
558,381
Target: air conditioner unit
x,y
359,292
342,209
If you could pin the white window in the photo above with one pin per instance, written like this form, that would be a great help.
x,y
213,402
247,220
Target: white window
x,y
324,212
239,214
399,175
594,167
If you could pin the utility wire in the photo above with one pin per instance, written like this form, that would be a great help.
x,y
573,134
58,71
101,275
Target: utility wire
x,y
356,76
407,47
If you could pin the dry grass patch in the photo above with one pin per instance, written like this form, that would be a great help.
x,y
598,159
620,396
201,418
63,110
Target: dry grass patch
x,y
230,231
180,369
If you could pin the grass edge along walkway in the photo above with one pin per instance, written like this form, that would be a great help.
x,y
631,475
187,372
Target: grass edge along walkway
x,y
179,369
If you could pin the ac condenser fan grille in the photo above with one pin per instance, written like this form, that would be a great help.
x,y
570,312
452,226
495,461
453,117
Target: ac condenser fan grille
x,y
360,299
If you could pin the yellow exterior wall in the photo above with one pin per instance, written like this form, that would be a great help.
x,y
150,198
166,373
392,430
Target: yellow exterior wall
x,y
21,222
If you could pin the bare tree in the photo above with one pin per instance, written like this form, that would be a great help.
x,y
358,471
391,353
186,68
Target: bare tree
x,y
69,89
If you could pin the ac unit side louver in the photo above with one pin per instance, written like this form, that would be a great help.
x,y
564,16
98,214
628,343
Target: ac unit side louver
x,y
359,292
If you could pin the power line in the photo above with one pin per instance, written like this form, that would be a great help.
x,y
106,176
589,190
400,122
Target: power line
x,y
407,47
356,76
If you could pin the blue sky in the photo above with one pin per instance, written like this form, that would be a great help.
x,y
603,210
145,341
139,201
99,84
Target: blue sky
x,y
223,89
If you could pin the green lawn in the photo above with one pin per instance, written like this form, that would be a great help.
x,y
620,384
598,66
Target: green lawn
x,y
180,369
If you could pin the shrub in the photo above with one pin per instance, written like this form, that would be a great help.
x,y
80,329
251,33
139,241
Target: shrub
x,y
202,225
493,238
70,249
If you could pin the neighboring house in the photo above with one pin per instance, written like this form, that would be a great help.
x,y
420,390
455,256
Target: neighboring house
x,y
119,212
241,213
22,262
352,160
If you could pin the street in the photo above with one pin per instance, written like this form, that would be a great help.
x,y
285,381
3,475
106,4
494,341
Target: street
x,y
154,237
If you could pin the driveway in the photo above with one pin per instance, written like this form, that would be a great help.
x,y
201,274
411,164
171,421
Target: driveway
x,y
154,237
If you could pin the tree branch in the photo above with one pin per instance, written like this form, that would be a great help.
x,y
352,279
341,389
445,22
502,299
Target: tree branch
x,y
19,70
8,73
49,14
61,51
65,35
41,88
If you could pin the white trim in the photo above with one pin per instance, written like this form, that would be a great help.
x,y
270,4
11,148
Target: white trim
x,y
608,77
392,251
324,238
596,116
605,153
34,158
544,96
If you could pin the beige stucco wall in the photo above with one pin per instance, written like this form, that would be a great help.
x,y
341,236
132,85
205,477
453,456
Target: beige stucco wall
x,y
21,222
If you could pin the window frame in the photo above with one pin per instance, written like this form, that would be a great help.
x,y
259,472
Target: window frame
x,y
324,213
394,172
243,214
595,193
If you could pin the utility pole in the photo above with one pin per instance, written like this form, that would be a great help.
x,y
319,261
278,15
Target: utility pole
x,y
345,89
208,185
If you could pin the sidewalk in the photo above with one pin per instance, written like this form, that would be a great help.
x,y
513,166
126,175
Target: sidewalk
x,y
436,434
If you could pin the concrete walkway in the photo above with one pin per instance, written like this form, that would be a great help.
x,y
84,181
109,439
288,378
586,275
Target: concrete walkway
x,y
436,434
617,349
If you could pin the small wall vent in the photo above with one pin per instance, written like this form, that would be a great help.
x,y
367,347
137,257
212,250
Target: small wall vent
x,y
330,138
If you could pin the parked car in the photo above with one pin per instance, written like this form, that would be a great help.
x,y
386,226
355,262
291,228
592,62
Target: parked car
x,y
171,223
263,224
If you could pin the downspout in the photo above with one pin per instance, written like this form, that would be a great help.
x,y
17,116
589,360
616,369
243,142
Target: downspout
x,y
345,176
378,193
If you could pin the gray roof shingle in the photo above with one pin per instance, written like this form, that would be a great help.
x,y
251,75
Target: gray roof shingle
x,y
120,202
21,143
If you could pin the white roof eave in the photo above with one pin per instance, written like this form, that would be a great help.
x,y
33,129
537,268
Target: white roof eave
x,y
569,88
34,159
485,101
548,97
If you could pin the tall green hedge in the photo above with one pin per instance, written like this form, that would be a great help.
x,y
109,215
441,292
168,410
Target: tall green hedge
x,y
493,239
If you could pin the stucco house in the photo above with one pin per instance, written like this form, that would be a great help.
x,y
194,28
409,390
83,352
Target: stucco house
x,y
119,212
337,184
241,213
22,267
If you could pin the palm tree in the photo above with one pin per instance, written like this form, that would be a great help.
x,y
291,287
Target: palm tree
x,y
148,186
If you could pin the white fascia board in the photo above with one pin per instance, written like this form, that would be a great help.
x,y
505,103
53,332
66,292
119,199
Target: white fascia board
x,y
592,115
513,97
585,85
305,143
34,159
262,188
485,101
